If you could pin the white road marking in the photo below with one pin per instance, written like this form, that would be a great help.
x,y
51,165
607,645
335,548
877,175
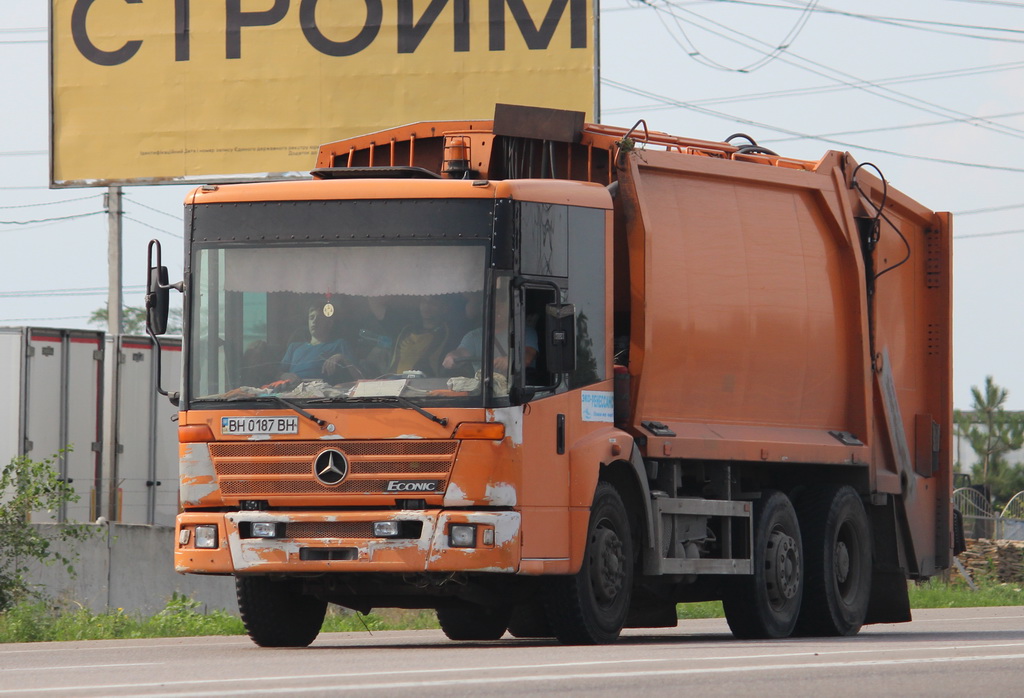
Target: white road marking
x,y
336,688
78,666
554,665
95,645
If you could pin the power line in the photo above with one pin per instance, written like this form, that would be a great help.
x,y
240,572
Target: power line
x,y
860,84
987,210
903,22
54,292
779,48
45,319
1003,3
153,227
53,203
55,219
155,210
845,78
820,89
750,122
988,235
882,129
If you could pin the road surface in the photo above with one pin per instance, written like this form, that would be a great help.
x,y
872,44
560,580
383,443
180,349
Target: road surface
x,y
946,652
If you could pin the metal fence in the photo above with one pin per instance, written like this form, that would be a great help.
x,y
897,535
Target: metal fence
x,y
981,520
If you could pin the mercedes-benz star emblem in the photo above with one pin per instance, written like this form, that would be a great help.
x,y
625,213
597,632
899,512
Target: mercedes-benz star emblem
x,y
330,467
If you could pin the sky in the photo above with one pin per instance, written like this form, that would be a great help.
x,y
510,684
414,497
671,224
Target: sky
x,y
931,91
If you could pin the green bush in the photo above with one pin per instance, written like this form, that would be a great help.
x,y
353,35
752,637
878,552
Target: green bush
x,y
28,486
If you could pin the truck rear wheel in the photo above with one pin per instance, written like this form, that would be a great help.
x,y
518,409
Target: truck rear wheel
x,y
837,551
766,604
276,613
590,607
473,623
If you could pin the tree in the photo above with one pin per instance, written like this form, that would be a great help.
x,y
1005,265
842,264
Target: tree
x,y
27,486
992,433
133,319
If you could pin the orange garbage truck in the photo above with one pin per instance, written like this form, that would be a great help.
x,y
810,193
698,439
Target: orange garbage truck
x,y
553,378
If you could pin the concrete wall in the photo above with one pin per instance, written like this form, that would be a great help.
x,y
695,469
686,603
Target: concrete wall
x,y
129,567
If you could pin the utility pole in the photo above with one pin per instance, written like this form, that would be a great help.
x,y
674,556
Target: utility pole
x,y
108,459
114,300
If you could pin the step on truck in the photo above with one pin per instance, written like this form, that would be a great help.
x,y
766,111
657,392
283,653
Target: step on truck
x,y
553,378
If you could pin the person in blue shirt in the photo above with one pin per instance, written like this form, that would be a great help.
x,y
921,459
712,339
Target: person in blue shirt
x,y
323,356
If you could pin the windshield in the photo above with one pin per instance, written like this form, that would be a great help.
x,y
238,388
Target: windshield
x,y
338,322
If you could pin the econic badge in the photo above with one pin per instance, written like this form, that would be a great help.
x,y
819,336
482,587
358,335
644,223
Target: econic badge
x,y
412,486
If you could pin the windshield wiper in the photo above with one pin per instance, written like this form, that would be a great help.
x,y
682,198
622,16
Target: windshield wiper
x,y
287,403
385,399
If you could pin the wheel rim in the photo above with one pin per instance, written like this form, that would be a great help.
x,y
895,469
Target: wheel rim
x,y
782,568
607,565
846,562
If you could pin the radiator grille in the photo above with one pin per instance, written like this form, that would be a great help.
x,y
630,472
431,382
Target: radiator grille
x,y
329,529
264,469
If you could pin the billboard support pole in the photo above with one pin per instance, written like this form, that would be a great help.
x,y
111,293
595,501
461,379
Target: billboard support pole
x,y
110,366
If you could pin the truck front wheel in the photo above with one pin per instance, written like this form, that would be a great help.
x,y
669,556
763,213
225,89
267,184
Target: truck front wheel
x,y
276,613
837,548
766,604
590,607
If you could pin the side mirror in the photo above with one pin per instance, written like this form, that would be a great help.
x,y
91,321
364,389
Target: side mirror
x,y
158,300
560,337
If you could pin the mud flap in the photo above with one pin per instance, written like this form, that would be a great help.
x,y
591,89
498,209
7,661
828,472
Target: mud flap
x,y
890,600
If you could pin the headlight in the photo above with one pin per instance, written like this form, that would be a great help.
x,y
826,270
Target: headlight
x,y
206,536
386,529
462,536
264,529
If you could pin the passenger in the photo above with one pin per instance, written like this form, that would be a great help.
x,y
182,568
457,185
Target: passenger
x,y
377,322
422,345
471,346
465,358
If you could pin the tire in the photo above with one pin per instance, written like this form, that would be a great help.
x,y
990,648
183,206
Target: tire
x,y
590,607
276,613
837,559
766,604
473,623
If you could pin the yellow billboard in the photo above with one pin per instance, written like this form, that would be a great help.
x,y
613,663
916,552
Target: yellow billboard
x,y
172,90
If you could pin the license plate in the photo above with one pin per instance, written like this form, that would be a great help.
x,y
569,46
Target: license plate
x,y
259,425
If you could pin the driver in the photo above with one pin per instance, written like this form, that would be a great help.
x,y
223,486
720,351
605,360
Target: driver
x,y
323,356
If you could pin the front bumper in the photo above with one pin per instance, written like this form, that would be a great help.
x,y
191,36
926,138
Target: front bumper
x,y
329,541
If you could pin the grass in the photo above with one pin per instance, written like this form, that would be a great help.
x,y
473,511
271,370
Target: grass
x,y
339,621
936,593
46,622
